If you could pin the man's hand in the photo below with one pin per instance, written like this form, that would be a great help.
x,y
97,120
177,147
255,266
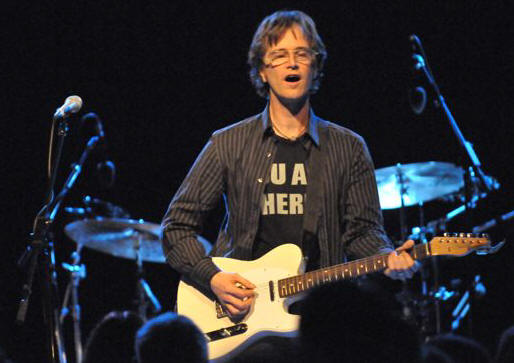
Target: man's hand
x,y
400,265
234,292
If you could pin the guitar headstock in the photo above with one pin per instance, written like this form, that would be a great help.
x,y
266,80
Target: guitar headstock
x,y
459,244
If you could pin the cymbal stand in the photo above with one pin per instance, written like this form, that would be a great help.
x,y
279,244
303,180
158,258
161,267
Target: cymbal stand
x,y
403,192
404,296
77,273
145,296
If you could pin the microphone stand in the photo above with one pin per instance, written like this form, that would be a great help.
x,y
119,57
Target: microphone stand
x,y
473,189
40,252
473,167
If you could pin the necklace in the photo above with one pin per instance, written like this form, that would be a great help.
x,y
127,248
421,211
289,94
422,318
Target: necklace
x,y
292,138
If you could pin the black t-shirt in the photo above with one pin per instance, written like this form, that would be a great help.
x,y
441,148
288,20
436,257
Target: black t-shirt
x,y
283,202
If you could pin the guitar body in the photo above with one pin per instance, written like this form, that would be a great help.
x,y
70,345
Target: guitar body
x,y
268,314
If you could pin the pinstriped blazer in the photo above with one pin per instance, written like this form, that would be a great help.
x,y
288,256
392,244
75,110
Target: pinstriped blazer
x,y
342,207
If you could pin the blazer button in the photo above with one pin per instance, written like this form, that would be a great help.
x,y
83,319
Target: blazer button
x,y
259,180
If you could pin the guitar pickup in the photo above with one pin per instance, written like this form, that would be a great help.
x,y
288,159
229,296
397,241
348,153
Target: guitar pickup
x,y
226,332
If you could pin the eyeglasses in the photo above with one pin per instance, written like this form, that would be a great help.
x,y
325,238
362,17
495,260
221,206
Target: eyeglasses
x,y
301,55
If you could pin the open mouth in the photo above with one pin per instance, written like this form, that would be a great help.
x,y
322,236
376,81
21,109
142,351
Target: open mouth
x,y
292,78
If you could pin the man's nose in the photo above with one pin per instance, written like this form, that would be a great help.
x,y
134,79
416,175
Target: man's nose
x,y
292,63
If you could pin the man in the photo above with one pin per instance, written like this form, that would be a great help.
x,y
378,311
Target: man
x,y
285,175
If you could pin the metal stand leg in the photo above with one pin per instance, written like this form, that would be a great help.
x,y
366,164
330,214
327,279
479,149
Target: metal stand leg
x,y
77,272
145,296
58,352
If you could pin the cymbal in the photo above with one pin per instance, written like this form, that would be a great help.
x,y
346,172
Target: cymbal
x,y
422,182
118,237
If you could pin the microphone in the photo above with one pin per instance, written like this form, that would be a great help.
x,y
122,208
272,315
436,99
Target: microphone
x,y
417,95
72,104
92,126
417,99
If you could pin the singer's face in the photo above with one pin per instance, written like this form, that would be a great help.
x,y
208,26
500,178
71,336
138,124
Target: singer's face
x,y
292,79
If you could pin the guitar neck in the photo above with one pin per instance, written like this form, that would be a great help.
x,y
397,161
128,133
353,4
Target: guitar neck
x,y
296,284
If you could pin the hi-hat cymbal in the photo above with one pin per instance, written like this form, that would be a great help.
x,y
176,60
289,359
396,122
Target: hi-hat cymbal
x,y
118,237
422,182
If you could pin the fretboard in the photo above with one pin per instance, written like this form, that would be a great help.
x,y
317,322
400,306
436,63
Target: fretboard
x,y
297,284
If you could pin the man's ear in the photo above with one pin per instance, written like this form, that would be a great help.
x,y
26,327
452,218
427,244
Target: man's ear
x,y
263,77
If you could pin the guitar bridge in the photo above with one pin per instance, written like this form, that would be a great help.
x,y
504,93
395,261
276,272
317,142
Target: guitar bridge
x,y
226,332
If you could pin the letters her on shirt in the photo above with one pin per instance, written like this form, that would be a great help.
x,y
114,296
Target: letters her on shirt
x,y
285,203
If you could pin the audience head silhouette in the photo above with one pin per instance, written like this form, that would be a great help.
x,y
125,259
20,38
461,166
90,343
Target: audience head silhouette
x,y
112,340
460,348
170,337
505,351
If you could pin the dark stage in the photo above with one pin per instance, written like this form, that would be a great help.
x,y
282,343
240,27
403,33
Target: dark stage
x,y
163,75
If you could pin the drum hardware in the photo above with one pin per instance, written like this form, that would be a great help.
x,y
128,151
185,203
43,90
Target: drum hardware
x,y
451,305
94,207
461,301
124,238
494,222
145,295
435,227
402,186
438,226
403,191
77,272
405,185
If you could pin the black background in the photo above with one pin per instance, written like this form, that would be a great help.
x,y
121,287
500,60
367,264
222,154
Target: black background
x,y
164,75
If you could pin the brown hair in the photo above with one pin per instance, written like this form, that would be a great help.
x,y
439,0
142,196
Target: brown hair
x,y
269,32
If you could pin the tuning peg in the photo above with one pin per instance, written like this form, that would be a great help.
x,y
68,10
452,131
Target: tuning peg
x,y
484,235
462,234
446,234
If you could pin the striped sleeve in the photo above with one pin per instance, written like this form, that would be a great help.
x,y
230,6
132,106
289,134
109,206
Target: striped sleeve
x,y
199,193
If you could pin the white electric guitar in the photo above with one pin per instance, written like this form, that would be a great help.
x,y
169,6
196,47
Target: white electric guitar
x,y
280,281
